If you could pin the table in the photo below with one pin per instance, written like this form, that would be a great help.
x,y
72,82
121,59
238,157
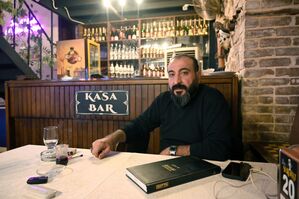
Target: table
x,y
88,177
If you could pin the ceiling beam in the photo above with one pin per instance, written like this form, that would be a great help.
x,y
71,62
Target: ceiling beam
x,y
78,11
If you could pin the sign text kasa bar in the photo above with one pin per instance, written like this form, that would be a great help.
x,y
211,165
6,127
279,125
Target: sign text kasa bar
x,y
102,102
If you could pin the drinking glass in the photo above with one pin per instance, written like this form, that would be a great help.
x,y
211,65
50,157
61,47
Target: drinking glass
x,y
50,138
62,154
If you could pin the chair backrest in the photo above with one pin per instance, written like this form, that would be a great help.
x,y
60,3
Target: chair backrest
x,y
294,135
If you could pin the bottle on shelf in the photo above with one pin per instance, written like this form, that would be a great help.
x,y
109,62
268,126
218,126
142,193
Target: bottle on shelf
x,y
112,71
104,34
205,27
96,35
178,28
190,28
92,34
85,33
123,54
134,32
143,30
99,36
200,28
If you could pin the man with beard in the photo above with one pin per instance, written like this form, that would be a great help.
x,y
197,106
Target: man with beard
x,y
194,119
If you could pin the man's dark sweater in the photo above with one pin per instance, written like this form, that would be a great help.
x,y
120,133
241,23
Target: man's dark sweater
x,y
204,124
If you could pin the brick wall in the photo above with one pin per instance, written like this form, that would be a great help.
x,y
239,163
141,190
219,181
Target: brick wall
x,y
265,51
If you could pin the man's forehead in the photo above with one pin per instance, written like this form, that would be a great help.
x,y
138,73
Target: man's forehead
x,y
183,62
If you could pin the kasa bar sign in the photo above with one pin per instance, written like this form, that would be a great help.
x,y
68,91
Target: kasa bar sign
x,y
102,102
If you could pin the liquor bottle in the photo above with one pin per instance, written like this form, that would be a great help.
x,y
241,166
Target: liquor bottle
x,y
205,28
131,70
104,34
147,30
130,32
111,71
164,33
136,52
112,34
195,27
85,33
182,28
200,28
151,33
92,34
153,30
111,52
160,33
116,36
168,34
147,55
137,32
178,28
116,69
121,33
144,70
96,35
121,70
162,73
143,31
190,28
186,28
99,34
172,34
122,54
134,32
88,33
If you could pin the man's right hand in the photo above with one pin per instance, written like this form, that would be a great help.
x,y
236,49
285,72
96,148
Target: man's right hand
x,y
101,147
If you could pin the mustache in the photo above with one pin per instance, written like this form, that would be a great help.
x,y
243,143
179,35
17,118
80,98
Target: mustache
x,y
179,86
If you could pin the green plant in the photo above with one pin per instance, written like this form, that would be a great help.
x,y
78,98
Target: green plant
x,y
8,7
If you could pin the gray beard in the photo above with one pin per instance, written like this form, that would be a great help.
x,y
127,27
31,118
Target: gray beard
x,y
183,100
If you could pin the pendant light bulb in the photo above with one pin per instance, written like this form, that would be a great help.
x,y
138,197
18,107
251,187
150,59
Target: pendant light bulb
x,y
106,3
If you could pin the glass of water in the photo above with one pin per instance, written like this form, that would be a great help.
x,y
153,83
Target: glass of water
x,y
50,138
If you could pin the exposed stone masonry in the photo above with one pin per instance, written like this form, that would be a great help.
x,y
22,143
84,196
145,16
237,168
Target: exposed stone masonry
x,y
265,51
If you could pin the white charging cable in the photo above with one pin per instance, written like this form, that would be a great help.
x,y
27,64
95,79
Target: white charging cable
x,y
249,181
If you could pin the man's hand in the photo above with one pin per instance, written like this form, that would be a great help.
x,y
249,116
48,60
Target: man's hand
x,y
165,151
182,150
101,147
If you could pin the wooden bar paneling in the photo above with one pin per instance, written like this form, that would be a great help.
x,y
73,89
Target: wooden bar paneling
x,y
32,105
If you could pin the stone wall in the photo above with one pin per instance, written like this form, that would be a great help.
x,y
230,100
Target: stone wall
x,y
265,52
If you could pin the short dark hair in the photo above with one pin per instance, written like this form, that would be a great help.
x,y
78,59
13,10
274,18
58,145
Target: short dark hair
x,y
194,60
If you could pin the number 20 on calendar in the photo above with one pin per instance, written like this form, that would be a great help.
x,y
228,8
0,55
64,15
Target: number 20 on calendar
x,y
288,174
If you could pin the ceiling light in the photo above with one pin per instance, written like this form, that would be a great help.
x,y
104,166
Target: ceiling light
x,y
106,3
139,1
122,3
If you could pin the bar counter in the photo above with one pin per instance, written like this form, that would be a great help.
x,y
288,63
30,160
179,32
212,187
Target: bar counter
x,y
34,104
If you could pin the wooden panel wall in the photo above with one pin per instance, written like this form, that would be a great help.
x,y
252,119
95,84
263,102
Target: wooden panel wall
x,y
32,105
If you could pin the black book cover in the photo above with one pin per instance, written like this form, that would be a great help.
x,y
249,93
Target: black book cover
x,y
163,174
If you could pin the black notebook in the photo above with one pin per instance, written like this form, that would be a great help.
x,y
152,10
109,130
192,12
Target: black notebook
x,y
163,174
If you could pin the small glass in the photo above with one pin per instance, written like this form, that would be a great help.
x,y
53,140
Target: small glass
x,y
50,138
62,154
